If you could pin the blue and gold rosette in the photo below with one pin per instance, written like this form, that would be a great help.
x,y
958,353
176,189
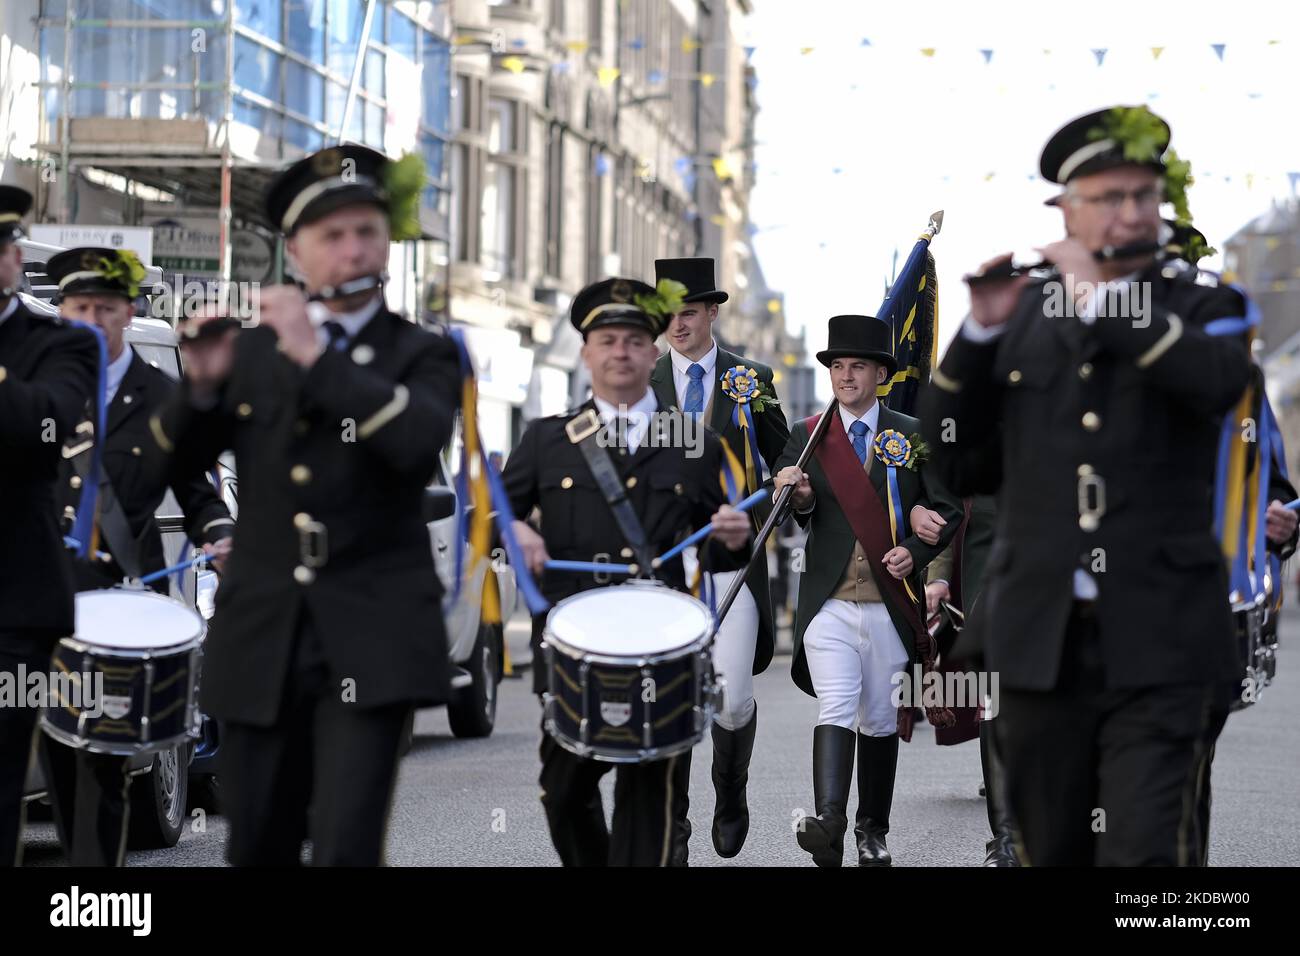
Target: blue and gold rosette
x,y
894,450
742,386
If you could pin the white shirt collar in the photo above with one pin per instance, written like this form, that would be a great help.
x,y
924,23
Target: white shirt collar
x,y
117,371
9,309
352,322
707,362
872,417
647,405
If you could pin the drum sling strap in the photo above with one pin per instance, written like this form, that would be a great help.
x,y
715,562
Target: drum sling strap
x,y
584,431
122,544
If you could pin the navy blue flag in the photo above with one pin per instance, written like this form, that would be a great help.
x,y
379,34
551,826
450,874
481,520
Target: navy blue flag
x,y
912,310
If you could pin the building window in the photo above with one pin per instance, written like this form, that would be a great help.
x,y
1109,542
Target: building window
x,y
503,187
597,172
595,24
554,265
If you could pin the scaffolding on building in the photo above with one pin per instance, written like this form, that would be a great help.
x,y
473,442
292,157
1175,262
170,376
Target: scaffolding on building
x,y
178,136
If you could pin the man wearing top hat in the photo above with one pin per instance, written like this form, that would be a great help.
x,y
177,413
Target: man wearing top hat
x,y
1103,603
693,377
98,286
672,490
859,620
328,626
48,371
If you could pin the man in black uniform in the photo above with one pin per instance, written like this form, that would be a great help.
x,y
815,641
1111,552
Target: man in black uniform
x,y
95,286
48,371
672,491
1103,605
328,627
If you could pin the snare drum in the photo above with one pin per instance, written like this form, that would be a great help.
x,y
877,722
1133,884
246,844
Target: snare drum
x,y
143,649
630,673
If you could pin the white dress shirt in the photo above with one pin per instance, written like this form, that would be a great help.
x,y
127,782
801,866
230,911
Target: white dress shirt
x,y
682,378
116,372
872,418
9,309
638,416
352,322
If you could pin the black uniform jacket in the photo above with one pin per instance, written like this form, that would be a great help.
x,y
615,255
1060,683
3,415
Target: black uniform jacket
x,y
136,471
1100,441
333,462
671,492
48,372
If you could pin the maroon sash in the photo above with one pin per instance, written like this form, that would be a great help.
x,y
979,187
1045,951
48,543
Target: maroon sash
x,y
867,517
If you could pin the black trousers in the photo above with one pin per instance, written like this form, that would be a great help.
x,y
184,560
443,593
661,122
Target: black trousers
x,y
91,802
30,652
1218,718
1103,777
325,770
643,805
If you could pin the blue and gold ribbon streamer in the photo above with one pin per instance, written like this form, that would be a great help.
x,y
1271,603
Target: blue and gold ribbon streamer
x,y
482,488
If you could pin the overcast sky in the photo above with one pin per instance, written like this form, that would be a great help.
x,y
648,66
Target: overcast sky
x,y
858,144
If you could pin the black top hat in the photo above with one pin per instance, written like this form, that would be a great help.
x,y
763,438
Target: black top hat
x,y
696,274
92,270
859,336
327,180
14,204
1082,147
613,302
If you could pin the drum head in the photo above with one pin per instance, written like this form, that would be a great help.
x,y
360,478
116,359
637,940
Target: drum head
x,y
629,620
134,620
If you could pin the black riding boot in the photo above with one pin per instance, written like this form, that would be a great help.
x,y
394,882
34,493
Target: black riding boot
x,y
681,784
877,765
731,752
1000,850
823,835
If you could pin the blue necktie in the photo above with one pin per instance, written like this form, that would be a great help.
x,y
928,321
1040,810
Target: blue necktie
x,y
695,390
860,430
338,336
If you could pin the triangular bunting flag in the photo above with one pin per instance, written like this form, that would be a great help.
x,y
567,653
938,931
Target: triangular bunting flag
x,y
1100,55
1218,50
1156,51
927,51
988,56
608,74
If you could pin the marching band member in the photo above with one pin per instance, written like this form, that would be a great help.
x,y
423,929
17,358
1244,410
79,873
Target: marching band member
x,y
48,372
1103,606
859,621
670,489
328,628
697,376
98,286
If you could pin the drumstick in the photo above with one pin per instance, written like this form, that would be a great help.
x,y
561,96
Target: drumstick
x,y
1292,505
162,573
595,567
704,532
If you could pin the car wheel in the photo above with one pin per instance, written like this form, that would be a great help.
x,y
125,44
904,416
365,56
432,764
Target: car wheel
x,y
472,710
158,801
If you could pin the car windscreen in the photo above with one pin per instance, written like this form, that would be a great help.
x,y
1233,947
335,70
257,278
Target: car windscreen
x,y
162,357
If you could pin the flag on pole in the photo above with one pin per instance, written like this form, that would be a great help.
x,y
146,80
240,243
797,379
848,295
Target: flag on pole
x,y
911,308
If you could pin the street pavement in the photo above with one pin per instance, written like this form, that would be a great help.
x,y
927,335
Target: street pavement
x,y
475,802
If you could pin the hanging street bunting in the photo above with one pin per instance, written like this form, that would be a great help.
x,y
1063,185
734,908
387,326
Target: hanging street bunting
x,y
1218,50
1100,55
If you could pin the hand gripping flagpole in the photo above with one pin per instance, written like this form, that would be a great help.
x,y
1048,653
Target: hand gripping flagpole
x,y
781,502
